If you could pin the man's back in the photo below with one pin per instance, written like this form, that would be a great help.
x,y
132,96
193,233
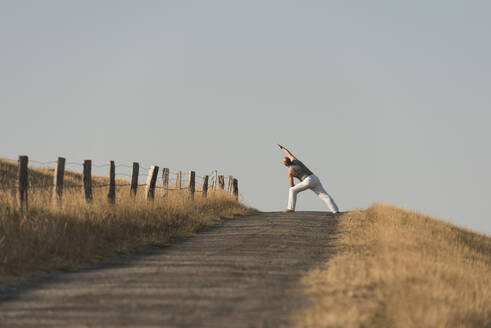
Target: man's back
x,y
299,170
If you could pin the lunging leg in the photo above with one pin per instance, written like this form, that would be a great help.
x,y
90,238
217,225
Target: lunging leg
x,y
322,193
292,195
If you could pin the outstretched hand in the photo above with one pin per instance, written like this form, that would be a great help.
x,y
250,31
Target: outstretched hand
x,y
281,147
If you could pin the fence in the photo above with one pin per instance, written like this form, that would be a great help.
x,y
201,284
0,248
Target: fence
x,y
208,183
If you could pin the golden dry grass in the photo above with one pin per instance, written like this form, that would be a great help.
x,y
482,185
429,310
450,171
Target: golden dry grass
x,y
48,237
399,268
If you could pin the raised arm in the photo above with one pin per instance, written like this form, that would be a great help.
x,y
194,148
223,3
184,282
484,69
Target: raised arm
x,y
287,152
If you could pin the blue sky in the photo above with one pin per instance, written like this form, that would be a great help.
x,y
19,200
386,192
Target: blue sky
x,y
383,100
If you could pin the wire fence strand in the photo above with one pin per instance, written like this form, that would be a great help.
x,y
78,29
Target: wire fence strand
x,y
172,182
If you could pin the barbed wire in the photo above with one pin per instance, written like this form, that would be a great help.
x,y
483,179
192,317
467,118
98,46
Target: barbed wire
x,y
124,165
165,190
34,187
74,163
100,165
42,163
183,173
183,188
97,165
184,181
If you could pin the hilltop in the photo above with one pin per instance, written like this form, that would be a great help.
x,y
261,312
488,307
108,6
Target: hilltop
x,y
386,266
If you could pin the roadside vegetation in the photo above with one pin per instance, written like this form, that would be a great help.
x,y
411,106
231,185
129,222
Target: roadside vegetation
x,y
398,268
50,237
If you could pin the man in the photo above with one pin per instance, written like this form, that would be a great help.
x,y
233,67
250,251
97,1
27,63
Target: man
x,y
308,180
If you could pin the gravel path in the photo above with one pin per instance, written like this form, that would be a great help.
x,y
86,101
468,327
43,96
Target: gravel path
x,y
241,273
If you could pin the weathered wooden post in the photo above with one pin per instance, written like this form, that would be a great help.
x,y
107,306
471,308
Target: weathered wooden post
x,y
58,181
22,182
87,177
205,186
192,183
178,180
221,182
111,195
214,178
229,184
134,178
235,188
151,181
165,181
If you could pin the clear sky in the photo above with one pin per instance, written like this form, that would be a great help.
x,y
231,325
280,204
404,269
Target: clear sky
x,y
383,100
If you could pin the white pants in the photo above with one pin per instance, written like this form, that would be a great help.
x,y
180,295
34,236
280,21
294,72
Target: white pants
x,y
311,182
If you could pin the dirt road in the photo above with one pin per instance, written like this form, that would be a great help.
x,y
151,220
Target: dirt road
x,y
242,273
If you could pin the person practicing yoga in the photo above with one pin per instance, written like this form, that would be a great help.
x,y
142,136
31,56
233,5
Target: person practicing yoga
x,y
308,180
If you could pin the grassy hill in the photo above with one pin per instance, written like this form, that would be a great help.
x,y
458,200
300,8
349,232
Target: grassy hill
x,y
49,237
390,267
398,268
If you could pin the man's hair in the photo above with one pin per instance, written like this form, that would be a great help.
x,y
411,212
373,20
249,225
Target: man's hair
x,y
287,160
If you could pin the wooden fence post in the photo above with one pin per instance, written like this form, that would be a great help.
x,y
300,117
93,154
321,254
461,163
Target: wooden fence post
x,y
165,181
178,180
214,178
58,181
151,181
111,195
87,177
22,183
221,182
134,178
205,186
192,183
229,184
235,188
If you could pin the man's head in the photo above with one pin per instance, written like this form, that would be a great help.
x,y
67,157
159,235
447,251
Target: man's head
x,y
287,161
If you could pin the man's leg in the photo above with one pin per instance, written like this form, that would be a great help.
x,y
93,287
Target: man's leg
x,y
292,196
322,193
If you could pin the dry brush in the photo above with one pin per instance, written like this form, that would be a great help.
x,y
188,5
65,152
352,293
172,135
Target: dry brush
x,y
49,237
399,268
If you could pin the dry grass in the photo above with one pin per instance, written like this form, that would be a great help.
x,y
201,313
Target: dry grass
x,y
51,238
399,268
